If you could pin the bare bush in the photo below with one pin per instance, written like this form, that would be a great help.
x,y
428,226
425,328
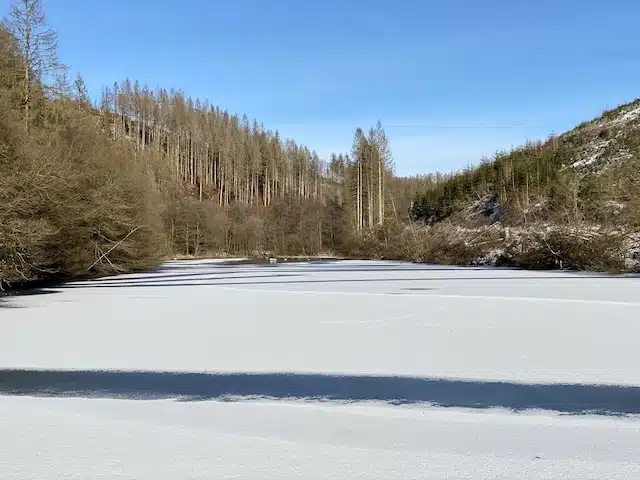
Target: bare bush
x,y
73,202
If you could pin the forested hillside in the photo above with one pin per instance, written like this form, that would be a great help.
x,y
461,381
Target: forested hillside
x,y
587,174
146,174
572,201
241,188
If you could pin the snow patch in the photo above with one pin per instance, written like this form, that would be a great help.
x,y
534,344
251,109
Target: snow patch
x,y
591,154
628,116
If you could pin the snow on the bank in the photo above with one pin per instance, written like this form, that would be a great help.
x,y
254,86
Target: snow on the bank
x,y
355,318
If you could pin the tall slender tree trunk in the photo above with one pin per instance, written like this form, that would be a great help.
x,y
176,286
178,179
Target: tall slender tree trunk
x,y
359,196
370,193
27,76
380,190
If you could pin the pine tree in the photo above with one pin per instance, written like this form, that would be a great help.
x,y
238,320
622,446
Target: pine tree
x,y
81,93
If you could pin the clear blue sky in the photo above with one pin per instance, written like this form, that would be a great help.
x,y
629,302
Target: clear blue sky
x,y
451,80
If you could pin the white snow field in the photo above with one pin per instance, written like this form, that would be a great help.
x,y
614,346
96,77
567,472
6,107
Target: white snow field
x,y
316,370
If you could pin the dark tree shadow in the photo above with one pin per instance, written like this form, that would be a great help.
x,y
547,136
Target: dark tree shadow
x,y
5,297
145,385
169,280
180,276
308,267
184,274
249,280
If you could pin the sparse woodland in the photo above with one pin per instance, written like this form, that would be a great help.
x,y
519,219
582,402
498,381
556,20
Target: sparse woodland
x,y
146,174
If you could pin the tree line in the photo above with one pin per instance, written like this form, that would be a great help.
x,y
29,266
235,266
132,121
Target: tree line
x,y
231,164
142,175
539,182
154,173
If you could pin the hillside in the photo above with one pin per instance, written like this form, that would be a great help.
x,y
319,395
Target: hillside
x,y
151,174
145,175
607,141
585,183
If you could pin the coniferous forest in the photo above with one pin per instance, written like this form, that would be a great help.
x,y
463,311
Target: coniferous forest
x,y
140,175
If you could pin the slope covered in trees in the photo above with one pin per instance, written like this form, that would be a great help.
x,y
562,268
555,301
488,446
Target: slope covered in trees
x,y
68,194
147,174
239,187
571,201
589,174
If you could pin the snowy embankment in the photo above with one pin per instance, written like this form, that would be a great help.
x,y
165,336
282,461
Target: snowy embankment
x,y
337,369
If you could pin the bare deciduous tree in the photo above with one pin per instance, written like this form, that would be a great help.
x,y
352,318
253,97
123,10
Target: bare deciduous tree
x,y
37,46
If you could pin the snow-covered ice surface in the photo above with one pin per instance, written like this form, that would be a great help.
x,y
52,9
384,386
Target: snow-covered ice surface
x,y
337,369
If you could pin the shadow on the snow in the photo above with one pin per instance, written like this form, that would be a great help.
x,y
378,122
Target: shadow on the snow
x,y
345,265
569,399
5,297
184,274
281,277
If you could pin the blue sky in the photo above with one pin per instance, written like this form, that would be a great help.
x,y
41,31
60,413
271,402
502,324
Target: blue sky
x,y
451,80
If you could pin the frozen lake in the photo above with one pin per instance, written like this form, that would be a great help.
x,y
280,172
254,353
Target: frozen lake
x,y
336,369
